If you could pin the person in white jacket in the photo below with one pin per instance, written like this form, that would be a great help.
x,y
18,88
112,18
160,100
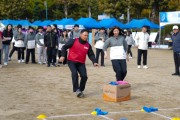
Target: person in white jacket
x,y
142,44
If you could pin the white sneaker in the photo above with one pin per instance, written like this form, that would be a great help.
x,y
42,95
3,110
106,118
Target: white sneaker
x,y
145,67
130,57
138,66
1,66
5,64
22,61
19,61
40,63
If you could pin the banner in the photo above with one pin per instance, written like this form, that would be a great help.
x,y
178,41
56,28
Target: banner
x,y
169,18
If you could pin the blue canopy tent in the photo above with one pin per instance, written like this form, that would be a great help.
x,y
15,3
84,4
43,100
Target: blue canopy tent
x,y
67,21
110,23
23,23
6,22
139,23
36,23
57,22
45,23
88,23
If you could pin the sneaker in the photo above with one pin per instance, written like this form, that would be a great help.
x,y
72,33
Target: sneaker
x,y
138,66
54,65
48,65
19,61
1,66
145,67
40,63
5,64
130,57
44,62
175,74
9,59
22,61
79,94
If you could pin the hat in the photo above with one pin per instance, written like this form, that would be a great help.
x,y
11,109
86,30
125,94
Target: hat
x,y
40,27
64,30
76,25
103,28
31,27
175,27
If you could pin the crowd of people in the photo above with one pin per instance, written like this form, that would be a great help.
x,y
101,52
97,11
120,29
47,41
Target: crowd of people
x,y
72,48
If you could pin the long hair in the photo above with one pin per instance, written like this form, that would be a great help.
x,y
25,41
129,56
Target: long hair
x,y
121,32
63,34
11,31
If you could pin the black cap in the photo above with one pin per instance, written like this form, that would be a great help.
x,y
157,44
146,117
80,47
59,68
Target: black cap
x,y
40,27
19,26
76,25
30,27
103,28
64,30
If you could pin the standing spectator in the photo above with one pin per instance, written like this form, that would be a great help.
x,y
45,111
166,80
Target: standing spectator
x,y
30,45
7,38
130,41
78,49
55,30
100,38
51,43
62,41
13,41
142,44
76,32
117,42
0,48
42,57
20,38
176,49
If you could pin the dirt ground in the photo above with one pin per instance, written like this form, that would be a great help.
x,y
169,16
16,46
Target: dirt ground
x,y
27,90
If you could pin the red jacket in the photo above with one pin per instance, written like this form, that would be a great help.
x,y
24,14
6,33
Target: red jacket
x,y
78,51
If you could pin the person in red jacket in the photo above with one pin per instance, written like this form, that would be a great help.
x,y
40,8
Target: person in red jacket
x,y
78,49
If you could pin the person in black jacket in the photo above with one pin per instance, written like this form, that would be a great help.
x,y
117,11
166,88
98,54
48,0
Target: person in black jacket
x,y
7,38
51,43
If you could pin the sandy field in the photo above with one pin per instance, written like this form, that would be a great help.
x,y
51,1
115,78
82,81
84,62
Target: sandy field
x,y
28,90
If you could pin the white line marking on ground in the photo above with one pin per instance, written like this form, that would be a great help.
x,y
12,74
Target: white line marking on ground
x,y
169,118
130,111
107,118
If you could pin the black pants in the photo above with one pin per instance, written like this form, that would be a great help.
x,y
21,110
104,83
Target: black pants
x,y
177,61
32,52
129,50
76,68
0,56
59,55
140,53
51,55
100,51
20,53
13,50
120,68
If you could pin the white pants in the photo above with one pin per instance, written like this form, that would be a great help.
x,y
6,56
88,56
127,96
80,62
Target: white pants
x,y
42,55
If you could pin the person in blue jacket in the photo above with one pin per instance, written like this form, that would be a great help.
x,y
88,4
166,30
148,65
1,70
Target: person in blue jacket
x,y
176,49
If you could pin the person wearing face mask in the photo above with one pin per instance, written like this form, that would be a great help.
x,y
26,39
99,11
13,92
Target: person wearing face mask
x,y
76,32
42,57
142,44
20,38
6,41
55,30
100,38
118,52
62,41
51,43
30,45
